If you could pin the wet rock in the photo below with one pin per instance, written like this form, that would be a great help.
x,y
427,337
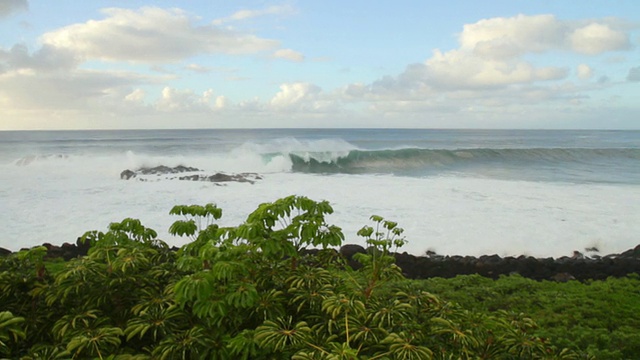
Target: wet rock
x,y
4,252
163,172
222,177
127,174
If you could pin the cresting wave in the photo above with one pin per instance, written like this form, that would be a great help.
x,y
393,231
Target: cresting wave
x,y
412,160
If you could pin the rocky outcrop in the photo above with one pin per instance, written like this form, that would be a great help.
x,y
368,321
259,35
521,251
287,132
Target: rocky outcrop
x,y
181,172
67,251
221,177
558,269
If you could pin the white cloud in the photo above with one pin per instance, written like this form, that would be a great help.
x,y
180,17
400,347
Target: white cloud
x,y
151,35
8,7
174,100
460,69
598,38
491,59
198,68
503,38
584,72
511,37
294,93
136,95
221,102
248,14
302,97
289,54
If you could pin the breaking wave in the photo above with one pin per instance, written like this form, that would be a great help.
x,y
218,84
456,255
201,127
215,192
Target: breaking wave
x,y
416,160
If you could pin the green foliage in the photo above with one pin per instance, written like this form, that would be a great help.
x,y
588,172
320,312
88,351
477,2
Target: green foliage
x,y
379,263
250,292
10,331
599,317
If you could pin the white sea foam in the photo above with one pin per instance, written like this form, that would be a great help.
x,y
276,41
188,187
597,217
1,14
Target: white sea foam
x,y
56,199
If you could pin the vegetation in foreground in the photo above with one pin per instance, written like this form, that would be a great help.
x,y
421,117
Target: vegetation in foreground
x,y
248,292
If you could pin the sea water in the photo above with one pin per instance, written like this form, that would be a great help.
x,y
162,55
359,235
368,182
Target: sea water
x,y
465,192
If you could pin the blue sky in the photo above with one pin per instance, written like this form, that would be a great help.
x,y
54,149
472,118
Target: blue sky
x,y
109,64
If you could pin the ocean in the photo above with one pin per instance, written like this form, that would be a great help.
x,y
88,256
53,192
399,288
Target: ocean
x,y
456,192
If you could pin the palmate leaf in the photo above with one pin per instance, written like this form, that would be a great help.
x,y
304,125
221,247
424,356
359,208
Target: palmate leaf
x,y
95,342
340,304
270,305
193,343
282,334
183,227
132,259
388,313
402,348
47,352
244,346
10,330
227,270
157,322
242,295
198,286
72,323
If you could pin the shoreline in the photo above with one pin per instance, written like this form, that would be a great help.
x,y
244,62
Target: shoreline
x,y
561,269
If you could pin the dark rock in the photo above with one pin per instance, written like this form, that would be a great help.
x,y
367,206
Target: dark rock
x,y
83,246
351,249
632,253
561,269
243,177
162,169
168,171
190,177
5,252
127,174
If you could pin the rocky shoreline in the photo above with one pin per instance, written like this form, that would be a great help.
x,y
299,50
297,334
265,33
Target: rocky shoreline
x,y
577,267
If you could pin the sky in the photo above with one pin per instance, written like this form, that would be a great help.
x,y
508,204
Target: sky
x,y
132,64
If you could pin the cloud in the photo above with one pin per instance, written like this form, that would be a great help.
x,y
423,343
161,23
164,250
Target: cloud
x,y
634,74
460,69
248,14
198,68
174,100
136,96
151,35
598,38
47,58
503,38
301,97
289,54
80,89
493,56
584,72
8,7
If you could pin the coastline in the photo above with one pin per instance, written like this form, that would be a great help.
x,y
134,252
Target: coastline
x,y
577,267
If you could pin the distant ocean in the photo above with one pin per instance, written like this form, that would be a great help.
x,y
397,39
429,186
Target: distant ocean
x,y
465,192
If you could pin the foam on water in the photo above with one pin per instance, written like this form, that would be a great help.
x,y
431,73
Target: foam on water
x,y
57,199
56,186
